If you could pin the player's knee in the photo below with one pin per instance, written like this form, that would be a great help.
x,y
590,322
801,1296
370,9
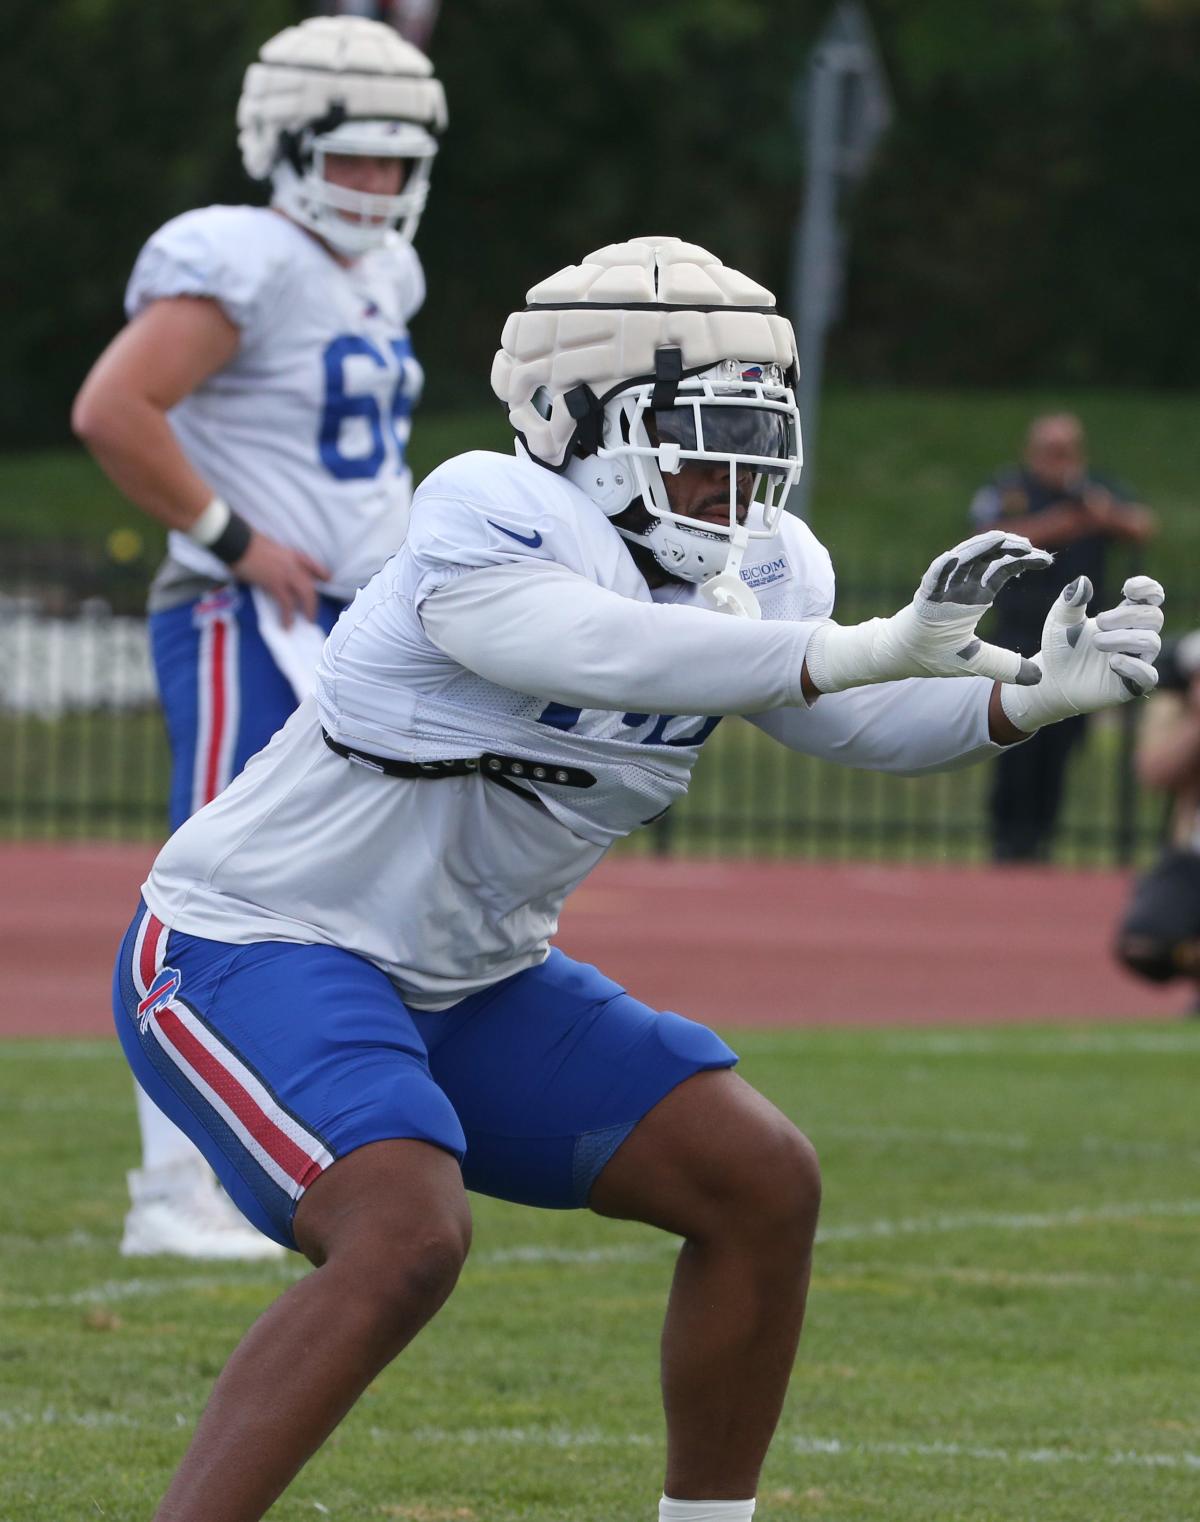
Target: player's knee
x,y
790,1184
428,1269
1147,956
772,1188
401,1270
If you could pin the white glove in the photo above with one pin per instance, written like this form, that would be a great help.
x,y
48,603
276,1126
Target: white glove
x,y
935,635
1089,663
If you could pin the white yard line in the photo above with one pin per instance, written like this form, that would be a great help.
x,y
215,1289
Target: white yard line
x,y
16,1048
1010,1141
267,1276
983,1220
1177,1041
628,1252
986,1041
1004,1278
115,1290
51,1416
1002,1141
69,1104
838,1447
801,1443
566,1438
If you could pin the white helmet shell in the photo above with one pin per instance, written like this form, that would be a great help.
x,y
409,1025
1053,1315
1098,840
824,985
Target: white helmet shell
x,y
340,84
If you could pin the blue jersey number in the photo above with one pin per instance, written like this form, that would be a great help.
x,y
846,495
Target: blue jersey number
x,y
560,716
342,405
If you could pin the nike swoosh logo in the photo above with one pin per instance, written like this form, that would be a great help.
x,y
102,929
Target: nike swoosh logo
x,y
532,540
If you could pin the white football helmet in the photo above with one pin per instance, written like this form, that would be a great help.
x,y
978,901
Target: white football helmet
x,y
647,356
344,85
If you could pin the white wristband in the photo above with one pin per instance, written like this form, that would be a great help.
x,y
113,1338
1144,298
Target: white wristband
x,y
211,524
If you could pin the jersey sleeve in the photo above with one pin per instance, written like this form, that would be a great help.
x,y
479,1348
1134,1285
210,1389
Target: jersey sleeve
x,y
543,630
907,728
226,253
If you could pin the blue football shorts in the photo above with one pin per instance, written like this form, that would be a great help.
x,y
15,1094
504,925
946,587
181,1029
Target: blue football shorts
x,y
222,694
278,1058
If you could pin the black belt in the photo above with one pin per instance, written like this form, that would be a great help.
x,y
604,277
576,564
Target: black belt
x,y
494,768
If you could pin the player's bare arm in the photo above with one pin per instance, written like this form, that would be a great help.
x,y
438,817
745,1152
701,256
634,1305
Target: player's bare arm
x,y
160,357
163,355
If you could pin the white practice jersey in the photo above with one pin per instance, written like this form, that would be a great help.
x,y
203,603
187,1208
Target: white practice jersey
x,y
514,622
304,432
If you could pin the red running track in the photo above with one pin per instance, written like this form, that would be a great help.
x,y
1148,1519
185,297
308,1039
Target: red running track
x,y
731,943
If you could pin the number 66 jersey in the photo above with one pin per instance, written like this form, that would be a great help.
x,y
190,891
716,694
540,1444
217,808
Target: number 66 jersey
x,y
304,431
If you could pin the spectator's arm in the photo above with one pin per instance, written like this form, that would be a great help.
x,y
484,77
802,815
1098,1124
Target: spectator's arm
x,y
1062,524
1049,530
1130,521
1168,751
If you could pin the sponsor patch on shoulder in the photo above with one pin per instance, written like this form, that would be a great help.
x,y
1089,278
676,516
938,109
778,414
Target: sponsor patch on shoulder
x,y
766,573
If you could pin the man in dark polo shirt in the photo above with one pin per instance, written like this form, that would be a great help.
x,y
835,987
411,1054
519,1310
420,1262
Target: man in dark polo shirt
x,y
1060,505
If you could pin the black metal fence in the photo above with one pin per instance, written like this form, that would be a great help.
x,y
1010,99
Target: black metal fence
x,y
83,753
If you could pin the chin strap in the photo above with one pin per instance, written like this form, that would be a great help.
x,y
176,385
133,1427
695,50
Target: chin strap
x,y
727,592
730,594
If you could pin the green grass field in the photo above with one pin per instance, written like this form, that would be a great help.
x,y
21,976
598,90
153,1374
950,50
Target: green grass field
x,y
1004,1322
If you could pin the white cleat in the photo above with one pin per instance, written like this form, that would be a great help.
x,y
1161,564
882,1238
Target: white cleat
x,y
182,1212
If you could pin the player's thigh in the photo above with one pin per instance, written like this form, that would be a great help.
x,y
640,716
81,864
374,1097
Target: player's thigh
x,y
277,1059
714,1156
550,1071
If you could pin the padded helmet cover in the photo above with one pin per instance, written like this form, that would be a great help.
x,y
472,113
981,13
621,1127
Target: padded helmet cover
x,y
600,323
364,67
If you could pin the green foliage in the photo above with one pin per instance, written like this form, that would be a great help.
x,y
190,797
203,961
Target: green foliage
x,y
616,121
116,115
1028,218
1001,1323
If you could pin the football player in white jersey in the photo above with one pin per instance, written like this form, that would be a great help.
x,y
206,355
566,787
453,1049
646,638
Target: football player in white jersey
x,y
341,979
258,403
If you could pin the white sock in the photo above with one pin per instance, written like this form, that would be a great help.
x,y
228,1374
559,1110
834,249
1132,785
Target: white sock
x,y
163,1143
705,1511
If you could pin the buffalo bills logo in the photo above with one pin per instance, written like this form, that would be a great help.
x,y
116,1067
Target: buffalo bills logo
x,y
158,995
217,605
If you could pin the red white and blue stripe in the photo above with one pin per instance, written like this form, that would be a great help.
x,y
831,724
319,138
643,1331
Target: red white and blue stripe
x,y
213,1079
218,696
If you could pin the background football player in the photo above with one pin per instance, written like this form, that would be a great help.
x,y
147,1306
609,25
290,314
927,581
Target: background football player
x,y
341,981
258,403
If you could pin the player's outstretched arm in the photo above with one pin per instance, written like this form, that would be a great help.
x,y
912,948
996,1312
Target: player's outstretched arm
x,y
935,634
1090,663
